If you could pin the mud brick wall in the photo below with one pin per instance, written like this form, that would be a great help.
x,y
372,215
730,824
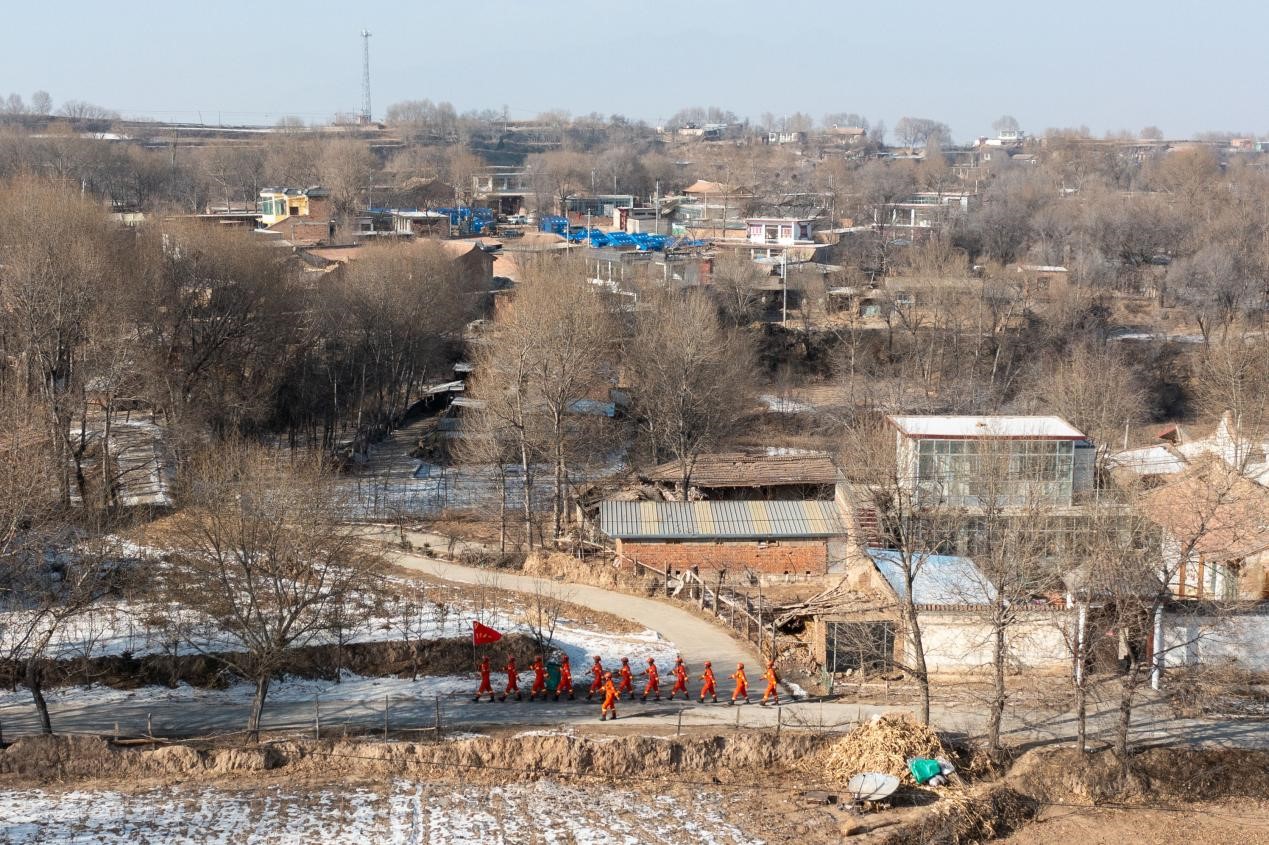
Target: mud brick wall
x,y
774,557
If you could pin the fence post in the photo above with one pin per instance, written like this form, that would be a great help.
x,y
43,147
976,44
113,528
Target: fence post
x,y
438,716
718,591
679,729
385,716
778,711
746,615
666,585
773,637
317,717
149,729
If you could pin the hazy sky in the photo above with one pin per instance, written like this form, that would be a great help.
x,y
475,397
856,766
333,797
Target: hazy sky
x,y
1111,64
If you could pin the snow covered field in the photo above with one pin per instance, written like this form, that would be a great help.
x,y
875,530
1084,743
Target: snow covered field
x,y
402,812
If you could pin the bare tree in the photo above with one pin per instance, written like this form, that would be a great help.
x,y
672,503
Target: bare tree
x,y
1094,389
265,562
347,168
410,607
692,379
81,110
914,525
735,277
48,578
41,103
547,604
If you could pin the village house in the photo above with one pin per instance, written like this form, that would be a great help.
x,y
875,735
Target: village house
x,y
737,475
940,459
857,626
1215,525
925,210
1041,282
502,188
742,540
302,216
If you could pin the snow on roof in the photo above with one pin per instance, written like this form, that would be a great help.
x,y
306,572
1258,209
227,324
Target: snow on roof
x,y
1023,427
940,579
1149,460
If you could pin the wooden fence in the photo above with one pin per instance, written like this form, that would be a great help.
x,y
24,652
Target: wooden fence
x,y
746,611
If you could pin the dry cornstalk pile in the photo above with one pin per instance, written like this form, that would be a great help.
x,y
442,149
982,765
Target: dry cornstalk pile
x,y
882,744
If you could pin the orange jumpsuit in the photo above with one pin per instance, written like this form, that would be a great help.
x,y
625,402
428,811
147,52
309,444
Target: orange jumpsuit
x,y
742,686
539,680
597,673
772,691
653,686
709,686
566,680
627,680
610,700
513,680
486,685
680,681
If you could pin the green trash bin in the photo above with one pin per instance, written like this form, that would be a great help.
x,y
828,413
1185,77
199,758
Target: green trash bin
x,y
552,675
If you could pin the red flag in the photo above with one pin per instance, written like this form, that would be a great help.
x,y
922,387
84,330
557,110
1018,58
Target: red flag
x,y
483,634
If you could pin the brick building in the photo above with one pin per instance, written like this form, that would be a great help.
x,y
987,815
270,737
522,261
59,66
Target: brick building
x,y
751,538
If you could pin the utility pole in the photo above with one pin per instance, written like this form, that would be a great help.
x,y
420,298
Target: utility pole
x,y
365,77
784,287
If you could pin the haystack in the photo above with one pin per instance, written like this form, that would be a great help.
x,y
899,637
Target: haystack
x,y
882,744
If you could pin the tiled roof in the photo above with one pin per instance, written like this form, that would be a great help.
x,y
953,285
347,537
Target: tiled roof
x,y
719,520
734,469
1221,514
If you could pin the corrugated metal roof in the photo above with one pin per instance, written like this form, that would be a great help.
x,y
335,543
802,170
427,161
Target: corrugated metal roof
x,y
1037,427
719,520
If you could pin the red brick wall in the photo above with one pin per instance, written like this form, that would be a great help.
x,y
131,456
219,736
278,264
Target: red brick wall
x,y
793,556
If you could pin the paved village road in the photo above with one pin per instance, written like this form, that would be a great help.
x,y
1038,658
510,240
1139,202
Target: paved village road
x,y
1153,724
697,639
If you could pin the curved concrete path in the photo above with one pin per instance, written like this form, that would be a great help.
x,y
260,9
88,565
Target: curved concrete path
x,y
696,639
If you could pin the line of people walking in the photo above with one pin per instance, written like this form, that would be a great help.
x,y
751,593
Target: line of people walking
x,y
611,685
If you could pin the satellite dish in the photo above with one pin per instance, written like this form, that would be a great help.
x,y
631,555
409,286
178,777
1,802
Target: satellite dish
x,y
872,786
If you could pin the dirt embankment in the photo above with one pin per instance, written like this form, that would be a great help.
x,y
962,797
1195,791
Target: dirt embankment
x,y
375,659
616,759
570,569
1154,775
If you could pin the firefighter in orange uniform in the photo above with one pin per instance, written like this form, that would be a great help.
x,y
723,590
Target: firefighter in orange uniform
x,y
566,680
539,679
513,680
597,678
486,685
653,686
772,691
627,679
609,707
709,686
742,685
680,680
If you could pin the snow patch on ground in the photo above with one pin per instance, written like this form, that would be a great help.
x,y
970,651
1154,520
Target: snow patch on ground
x,y
578,643
782,405
400,812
